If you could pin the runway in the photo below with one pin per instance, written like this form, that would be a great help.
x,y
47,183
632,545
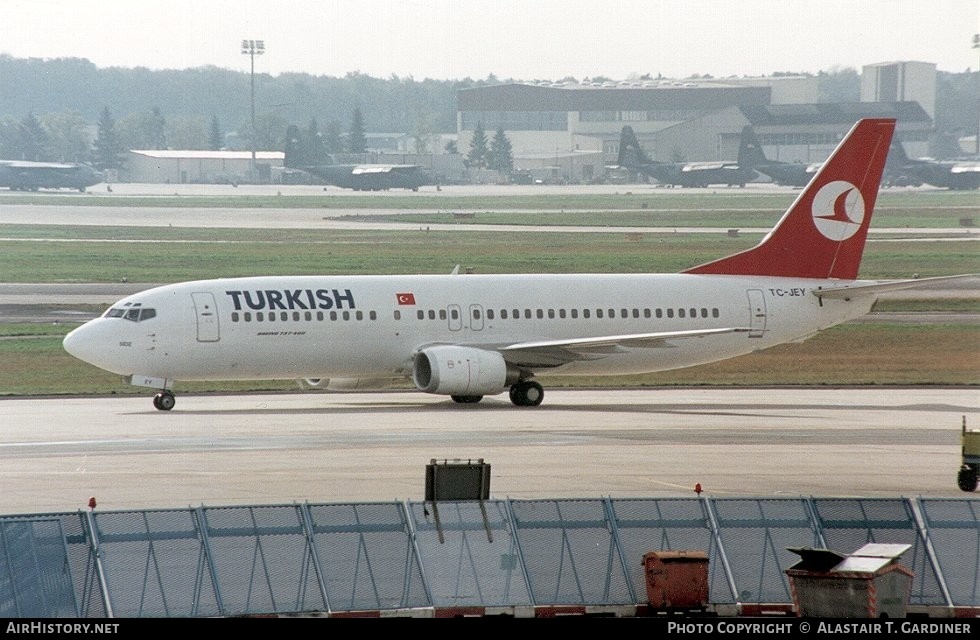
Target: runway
x,y
214,450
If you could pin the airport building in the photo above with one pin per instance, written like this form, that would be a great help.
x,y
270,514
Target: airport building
x,y
570,132
188,166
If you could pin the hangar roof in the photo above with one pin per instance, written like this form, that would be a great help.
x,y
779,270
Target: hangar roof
x,y
833,113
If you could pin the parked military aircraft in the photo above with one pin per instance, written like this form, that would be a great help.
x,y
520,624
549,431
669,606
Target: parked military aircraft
x,y
23,175
371,177
683,174
795,174
952,174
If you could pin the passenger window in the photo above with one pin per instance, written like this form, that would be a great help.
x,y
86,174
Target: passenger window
x,y
432,314
442,314
346,315
359,315
398,314
374,315
551,314
420,314
308,315
503,314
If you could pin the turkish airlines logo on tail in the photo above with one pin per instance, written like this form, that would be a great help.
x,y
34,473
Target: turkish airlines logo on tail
x,y
838,210
405,298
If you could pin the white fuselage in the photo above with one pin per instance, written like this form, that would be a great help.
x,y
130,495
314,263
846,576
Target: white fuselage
x,y
293,327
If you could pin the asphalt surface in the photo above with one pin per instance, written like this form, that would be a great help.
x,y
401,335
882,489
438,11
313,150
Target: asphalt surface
x,y
217,450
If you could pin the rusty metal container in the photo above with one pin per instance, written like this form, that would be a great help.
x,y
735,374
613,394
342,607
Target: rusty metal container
x,y
676,579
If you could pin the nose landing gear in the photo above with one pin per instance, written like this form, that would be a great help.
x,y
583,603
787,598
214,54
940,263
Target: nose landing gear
x,y
164,401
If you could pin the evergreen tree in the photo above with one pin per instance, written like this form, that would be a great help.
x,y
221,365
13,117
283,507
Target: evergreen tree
x,y
357,140
66,136
216,138
314,152
32,141
107,151
501,153
332,140
294,147
156,129
478,155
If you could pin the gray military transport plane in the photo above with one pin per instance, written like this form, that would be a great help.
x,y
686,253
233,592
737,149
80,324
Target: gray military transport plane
x,y
23,175
467,336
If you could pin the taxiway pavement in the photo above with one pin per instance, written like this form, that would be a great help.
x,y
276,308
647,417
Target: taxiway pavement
x,y
214,450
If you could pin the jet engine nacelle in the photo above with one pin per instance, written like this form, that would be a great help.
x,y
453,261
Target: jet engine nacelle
x,y
461,371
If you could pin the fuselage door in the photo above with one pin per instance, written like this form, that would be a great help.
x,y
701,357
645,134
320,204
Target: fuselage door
x,y
476,317
757,313
455,317
207,317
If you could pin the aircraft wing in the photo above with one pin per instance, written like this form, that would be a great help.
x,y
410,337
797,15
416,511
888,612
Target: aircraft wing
x,y
706,166
553,353
882,287
364,169
973,167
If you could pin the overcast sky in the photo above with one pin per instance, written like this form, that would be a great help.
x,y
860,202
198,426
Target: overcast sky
x,y
518,39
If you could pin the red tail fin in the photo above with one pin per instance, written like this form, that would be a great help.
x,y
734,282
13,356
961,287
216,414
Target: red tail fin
x,y
822,233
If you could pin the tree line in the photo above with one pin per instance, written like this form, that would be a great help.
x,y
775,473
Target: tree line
x,y
68,110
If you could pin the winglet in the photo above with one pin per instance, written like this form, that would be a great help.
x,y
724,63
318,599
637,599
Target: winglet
x,y
823,232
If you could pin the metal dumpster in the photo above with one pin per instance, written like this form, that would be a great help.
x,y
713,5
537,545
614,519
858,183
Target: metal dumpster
x,y
676,580
869,583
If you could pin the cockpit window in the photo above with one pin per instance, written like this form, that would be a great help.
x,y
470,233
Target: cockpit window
x,y
133,314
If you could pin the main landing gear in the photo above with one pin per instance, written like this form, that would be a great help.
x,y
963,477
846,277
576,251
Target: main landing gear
x,y
164,401
525,393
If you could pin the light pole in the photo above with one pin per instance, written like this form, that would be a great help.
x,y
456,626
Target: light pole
x,y
253,48
976,45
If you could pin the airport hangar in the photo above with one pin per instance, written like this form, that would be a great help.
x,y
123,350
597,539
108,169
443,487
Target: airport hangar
x,y
570,131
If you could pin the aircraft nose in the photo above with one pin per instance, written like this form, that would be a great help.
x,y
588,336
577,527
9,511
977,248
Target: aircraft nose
x,y
81,343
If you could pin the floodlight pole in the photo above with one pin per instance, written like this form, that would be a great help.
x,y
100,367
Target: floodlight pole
x,y
253,48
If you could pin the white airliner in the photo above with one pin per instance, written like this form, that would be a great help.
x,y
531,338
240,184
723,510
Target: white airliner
x,y
468,336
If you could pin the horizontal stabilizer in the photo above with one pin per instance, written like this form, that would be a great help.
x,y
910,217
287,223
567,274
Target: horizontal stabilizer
x,y
882,287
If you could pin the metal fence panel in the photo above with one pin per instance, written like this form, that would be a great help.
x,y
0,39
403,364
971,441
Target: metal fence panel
x,y
35,581
471,557
154,564
755,535
367,556
850,523
953,530
668,524
570,553
262,560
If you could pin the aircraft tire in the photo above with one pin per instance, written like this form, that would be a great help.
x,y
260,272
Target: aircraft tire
x,y
526,394
966,479
164,401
